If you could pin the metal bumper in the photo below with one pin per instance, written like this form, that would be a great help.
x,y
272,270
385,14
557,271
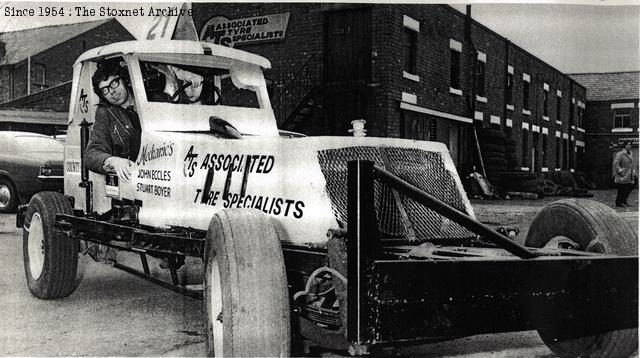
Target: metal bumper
x,y
428,301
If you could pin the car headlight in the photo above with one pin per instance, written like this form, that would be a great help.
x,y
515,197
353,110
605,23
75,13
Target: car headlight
x,y
46,171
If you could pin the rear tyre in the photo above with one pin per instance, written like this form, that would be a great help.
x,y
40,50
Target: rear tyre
x,y
589,226
8,196
246,294
50,259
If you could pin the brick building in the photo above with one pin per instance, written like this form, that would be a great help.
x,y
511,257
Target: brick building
x,y
425,72
36,64
611,119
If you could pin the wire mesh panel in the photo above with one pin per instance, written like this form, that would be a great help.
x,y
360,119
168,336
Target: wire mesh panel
x,y
397,215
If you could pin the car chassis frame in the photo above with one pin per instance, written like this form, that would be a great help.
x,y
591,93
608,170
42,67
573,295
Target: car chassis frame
x,y
393,297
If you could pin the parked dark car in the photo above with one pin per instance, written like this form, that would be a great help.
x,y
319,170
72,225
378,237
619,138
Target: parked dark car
x,y
29,163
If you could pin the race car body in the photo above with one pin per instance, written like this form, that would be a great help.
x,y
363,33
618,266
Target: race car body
x,y
348,243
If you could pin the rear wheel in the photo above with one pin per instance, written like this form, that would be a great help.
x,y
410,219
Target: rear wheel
x,y
586,225
8,196
50,259
246,294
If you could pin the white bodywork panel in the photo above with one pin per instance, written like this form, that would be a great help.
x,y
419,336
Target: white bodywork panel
x,y
170,175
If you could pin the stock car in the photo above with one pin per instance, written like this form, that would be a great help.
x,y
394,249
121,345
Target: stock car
x,y
29,163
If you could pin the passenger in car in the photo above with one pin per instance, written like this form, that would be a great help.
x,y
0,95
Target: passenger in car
x,y
114,142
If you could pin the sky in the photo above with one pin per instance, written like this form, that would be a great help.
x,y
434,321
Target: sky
x,y
572,38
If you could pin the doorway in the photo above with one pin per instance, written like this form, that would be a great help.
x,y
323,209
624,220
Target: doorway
x,y
347,67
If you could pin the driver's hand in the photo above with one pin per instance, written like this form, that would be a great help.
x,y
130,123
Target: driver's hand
x,y
121,166
194,78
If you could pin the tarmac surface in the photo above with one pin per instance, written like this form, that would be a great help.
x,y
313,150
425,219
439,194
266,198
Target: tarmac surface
x,y
115,314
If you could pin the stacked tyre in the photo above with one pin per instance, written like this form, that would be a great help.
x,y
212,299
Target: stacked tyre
x,y
511,147
518,181
492,146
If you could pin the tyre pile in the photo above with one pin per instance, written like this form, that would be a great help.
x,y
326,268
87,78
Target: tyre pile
x,y
503,171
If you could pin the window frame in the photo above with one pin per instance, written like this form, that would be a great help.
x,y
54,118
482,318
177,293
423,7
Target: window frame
x,y
410,44
558,152
545,103
480,75
558,108
621,112
34,72
525,147
454,70
526,92
509,90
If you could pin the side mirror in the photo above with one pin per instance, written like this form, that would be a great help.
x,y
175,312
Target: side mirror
x,y
219,126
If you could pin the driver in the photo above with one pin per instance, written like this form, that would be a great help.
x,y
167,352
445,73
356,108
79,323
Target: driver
x,y
197,90
115,137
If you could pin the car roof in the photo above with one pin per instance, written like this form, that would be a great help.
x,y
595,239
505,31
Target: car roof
x,y
22,134
174,47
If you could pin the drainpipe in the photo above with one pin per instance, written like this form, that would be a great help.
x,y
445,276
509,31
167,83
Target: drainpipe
x,y
11,82
471,103
29,75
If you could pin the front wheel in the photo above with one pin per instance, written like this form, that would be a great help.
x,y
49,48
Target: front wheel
x,y
586,225
50,259
8,196
246,295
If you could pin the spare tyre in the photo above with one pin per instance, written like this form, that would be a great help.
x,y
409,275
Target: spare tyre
x,y
584,225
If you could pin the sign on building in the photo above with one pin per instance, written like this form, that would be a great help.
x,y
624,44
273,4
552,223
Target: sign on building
x,y
233,32
634,141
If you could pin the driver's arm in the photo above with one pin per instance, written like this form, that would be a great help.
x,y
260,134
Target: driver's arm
x,y
171,81
100,145
184,75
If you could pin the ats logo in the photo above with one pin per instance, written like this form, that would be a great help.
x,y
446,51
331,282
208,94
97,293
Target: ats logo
x,y
231,32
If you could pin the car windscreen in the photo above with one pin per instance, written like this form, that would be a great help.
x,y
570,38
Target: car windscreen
x,y
39,144
198,85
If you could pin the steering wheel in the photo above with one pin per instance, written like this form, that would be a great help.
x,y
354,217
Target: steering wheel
x,y
218,95
182,87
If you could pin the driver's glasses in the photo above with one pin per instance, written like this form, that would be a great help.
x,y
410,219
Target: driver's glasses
x,y
111,87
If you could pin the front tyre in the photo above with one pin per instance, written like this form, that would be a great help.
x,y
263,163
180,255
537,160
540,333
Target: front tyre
x,y
50,259
8,196
586,225
246,295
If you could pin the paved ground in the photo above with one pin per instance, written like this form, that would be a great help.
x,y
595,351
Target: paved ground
x,y
520,213
115,314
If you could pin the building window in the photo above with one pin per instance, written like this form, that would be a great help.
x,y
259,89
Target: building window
x,y
535,164
410,50
455,48
565,154
558,152
454,70
580,158
580,118
525,93
621,118
525,147
508,132
558,108
480,74
509,90
545,103
545,143
38,74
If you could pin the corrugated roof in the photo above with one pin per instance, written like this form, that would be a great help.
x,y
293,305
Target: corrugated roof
x,y
38,117
24,43
610,86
